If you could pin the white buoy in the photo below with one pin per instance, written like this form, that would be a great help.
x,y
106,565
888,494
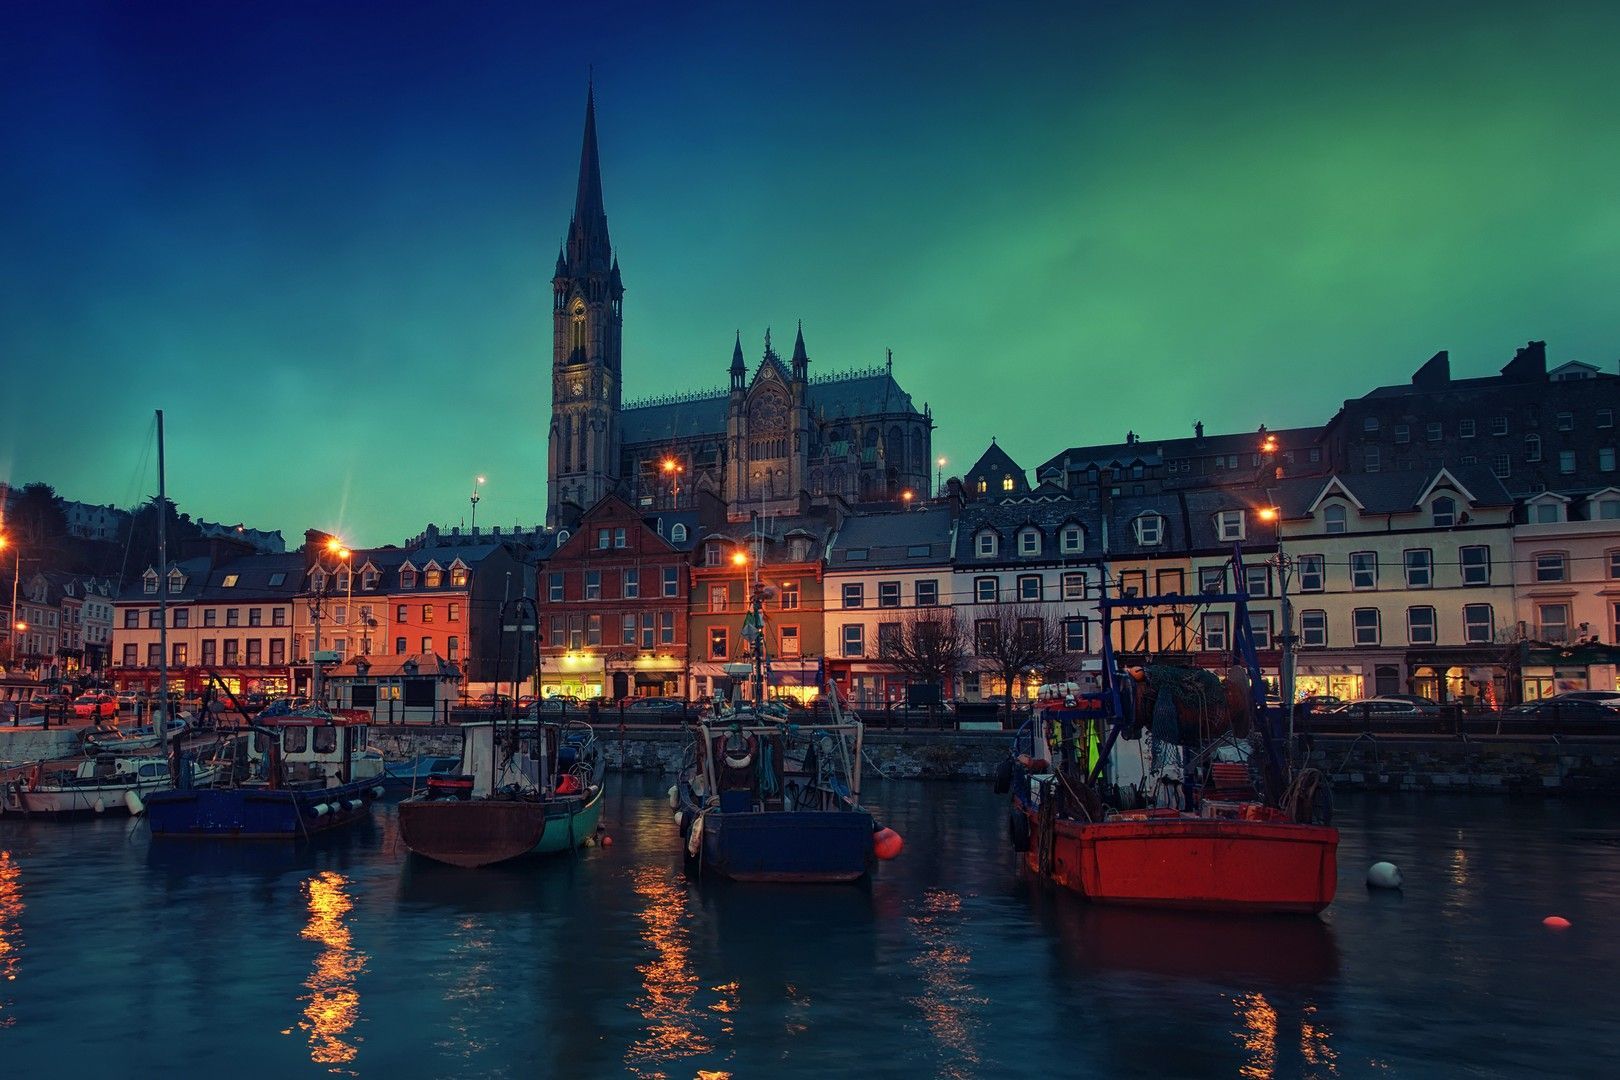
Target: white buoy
x,y
1383,875
320,809
377,792
100,807
674,800
354,804
133,803
678,820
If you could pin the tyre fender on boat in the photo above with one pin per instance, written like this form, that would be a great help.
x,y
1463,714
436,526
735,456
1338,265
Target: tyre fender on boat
x,y
1018,830
1003,777
132,802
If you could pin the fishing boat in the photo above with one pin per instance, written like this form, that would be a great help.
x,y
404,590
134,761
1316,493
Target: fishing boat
x,y
763,799
520,789
296,772
414,774
106,783
111,739
1169,785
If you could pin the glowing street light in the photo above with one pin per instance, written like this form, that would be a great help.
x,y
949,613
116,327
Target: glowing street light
x,y
478,482
906,497
739,558
1267,513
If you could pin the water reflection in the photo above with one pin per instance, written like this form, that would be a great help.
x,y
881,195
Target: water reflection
x,y
473,959
1315,1045
11,909
333,1004
670,984
946,1001
1258,1036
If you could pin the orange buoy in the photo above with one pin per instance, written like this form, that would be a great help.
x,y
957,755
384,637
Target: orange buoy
x,y
886,844
607,841
1555,922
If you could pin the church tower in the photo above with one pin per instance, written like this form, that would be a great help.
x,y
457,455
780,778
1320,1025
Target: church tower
x,y
582,460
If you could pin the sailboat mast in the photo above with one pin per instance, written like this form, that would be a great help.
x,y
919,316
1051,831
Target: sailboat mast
x,y
162,720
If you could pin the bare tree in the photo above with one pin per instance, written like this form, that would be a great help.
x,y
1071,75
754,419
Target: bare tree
x,y
1018,639
928,647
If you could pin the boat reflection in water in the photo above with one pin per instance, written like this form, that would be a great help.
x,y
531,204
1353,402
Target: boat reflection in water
x,y
946,999
333,1004
670,984
11,909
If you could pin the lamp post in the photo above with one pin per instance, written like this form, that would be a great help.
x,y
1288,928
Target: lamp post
x,y
478,482
939,474
1287,639
341,554
673,470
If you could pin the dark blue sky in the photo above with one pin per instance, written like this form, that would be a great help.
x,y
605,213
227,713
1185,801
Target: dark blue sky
x,y
320,235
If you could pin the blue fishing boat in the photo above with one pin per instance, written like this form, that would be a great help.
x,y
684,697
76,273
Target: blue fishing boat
x,y
520,789
762,799
296,772
413,775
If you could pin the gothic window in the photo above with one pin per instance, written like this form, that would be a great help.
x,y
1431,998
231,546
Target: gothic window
x,y
767,426
894,447
576,342
919,463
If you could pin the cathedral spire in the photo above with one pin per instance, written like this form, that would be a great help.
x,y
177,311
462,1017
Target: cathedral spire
x,y
588,244
801,359
739,367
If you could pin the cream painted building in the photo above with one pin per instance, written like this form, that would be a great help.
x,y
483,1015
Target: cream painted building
x,y
1566,565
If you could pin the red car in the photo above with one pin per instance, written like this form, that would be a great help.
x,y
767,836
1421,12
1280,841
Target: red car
x,y
95,706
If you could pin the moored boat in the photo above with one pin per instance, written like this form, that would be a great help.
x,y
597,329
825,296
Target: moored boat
x,y
297,772
1209,813
112,739
103,784
521,789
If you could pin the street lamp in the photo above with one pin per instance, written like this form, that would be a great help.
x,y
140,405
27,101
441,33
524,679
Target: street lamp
x,y
939,474
478,482
673,470
335,547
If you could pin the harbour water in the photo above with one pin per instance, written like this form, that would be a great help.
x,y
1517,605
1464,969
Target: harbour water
x,y
347,957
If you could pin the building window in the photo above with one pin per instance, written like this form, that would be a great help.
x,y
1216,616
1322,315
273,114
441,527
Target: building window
x,y
1213,632
1566,421
888,639
888,594
666,628
1566,461
712,554
630,586
1499,425
458,579
984,637
132,618
1420,625
1149,529
454,614
788,641
1364,570
1479,625
368,578
927,592
231,654
789,596
1029,542
1365,623
1074,586
593,629
1229,524
672,581
619,538
1433,431
427,613
604,538
853,639
677,533
1605,459
627,629
1501,466
554,588
1445,512
985,544
1419,568
1551,566
593,584
854,594
1133,583
1476,565
401,613
1371,461
1257,580
1007,483
1211,579
1313,629
647,631
1073,538
210,652
719,597
233,617
1465,429
1554,622
1369,423
984,590
1075,635
1333,519
1029,588
433,577
1260,623
399,646
1546,513
256,616
1312,573
1403,433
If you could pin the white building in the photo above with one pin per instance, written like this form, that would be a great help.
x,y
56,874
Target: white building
x,y
1566,572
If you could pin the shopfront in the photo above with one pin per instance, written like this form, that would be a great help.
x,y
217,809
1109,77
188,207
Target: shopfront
x,y
1550,670
573,674
644,676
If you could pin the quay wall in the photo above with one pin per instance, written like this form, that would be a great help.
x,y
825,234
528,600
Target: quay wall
x,y
25,745
1516,765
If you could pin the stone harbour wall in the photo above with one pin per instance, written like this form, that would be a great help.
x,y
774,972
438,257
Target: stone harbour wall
x,y
1387,763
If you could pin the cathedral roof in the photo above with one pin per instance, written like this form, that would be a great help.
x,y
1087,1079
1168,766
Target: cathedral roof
x,y
861,393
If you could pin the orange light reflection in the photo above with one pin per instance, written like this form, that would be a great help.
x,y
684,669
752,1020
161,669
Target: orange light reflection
x,y
1315,1044
945,1000
333,1004
670,984
1259,1036
11,909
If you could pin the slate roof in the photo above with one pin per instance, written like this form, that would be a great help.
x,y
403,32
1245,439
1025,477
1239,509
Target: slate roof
x,y
992,465
1157,451
1007,518
1389,492
841,396
894,539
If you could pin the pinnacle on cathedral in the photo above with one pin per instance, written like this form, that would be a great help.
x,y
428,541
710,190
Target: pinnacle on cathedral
x,y
801,359
589,250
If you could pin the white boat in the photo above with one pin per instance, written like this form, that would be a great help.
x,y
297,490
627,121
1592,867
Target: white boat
x,y
102,784
115,740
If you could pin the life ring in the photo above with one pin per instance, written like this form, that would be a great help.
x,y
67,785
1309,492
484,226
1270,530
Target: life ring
x,y
738,757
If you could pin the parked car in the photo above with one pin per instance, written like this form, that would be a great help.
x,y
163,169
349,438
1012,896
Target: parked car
x,y
493,701
1610,698
128,699
1565,709
95,706
1378,706
1422,703
656,706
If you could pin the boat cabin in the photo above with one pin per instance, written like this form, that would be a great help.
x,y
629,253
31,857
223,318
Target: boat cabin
x,y
314,748
741,767
495,764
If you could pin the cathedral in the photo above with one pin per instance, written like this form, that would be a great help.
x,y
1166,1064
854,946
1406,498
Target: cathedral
x,y
776,440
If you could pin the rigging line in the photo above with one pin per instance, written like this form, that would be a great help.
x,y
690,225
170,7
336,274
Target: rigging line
x,y
135,482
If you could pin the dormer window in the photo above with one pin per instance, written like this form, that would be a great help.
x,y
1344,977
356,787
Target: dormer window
x,y
982,486
150,580
344,581
1073,539
317,580
407,577
458,576
433,577
1149,530
1445,512
177,582
1606,510
1546,512
1333,518
1029,542
677,533
984,545
713,554
368,578
1229,524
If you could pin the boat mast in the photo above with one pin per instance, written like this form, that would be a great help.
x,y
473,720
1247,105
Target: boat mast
x,y
161,722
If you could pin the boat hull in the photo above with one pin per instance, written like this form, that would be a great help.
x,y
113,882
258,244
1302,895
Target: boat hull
x,y
255,813
482,832
81,800
1193,863
790,845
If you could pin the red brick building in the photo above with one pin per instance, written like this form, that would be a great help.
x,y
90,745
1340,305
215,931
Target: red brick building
x,y
613,604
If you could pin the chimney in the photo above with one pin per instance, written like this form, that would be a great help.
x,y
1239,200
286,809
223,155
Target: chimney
x,y
1529,364
1435,374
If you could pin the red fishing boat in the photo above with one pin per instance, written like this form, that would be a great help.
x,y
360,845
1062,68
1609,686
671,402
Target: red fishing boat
x,y
1205,812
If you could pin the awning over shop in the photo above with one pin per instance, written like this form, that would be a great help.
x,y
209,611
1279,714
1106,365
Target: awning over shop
x,y
1583,655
